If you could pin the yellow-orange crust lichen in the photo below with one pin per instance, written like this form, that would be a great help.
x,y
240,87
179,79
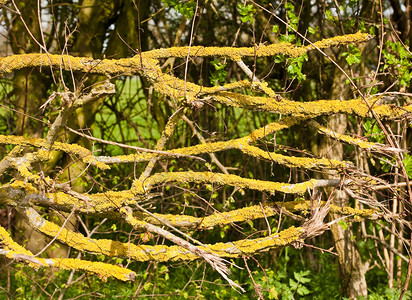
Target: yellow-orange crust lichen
x,y
228,179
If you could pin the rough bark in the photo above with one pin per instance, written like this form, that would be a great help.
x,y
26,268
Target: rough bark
x,y
352,268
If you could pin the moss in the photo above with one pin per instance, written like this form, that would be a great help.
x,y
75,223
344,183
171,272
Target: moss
x,y
82,64
105,270
241,144
131,219
138,188
356,212
271,128
164,253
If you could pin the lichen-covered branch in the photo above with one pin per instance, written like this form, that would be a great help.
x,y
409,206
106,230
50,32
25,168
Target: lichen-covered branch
x,y
84,154
311,109
212,259
160,253
18,193
231,180
166,134
13,250
31,189
251,213
129,66
107,203
353,141
71,103
241,144
236,54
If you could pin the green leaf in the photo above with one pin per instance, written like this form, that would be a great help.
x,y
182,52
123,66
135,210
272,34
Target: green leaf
x,y
273,294
275,28
289,6
353,56
407,161
218,77
302,290
287,38
301,276
246,12
343,224
187,9
313,30
147,286
329,15
293,284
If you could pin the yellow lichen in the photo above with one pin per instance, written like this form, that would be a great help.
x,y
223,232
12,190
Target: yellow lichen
x,y
9,244
27,186
345,138
248,213
227,179
307,110
99,202
147,65
169,253
104,270
241,144
252,246
84,154
261,50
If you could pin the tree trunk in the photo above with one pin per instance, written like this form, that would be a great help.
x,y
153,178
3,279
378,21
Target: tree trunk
x,y
351,266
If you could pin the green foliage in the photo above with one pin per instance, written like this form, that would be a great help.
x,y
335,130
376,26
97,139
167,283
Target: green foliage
x,y
407,161
186,8
294,67
293,19
398,61
298,284
353,56
385,293
291,275
313,30
118,118
373,131
343,224
329,15
218,77
246,12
